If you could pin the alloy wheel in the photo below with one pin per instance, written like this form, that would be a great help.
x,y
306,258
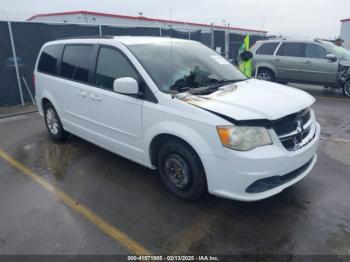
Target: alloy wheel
x,y
51,120
264,76
347,88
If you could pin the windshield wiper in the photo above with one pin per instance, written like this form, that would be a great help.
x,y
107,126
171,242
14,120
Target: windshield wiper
x,y
213,87
179,89
225,82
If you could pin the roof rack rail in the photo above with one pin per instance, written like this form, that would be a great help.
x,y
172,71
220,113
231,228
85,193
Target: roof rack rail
x,y
88,37
278,38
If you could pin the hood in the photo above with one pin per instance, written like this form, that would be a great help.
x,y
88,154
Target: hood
x,y
253,99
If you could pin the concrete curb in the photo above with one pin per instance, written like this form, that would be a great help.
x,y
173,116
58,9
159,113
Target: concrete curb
x,y
18,114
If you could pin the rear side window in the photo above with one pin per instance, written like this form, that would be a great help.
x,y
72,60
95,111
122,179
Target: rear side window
x,y
291,49
76,62
48,59
267,49
112,64
315,51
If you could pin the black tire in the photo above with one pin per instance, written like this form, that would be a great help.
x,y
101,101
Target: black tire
x,y
181,170
346,88
266,74
55,127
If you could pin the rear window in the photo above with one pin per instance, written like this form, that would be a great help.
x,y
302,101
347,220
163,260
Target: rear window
x,y
48,59
267,49
291,49
76,62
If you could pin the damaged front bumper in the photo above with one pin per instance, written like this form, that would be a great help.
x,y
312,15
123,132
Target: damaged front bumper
x,y
343,72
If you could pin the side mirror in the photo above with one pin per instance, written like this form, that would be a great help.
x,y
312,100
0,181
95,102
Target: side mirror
x,y
331,57
126,85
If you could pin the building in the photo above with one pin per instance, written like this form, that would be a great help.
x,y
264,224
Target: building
x,y
224,39
87,17
345,32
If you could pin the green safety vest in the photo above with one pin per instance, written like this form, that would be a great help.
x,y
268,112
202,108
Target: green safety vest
x,y
246,67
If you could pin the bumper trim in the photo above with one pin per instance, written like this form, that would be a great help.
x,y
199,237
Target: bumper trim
x,y
269,183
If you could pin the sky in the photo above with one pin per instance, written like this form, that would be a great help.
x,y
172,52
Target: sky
x,y
297,18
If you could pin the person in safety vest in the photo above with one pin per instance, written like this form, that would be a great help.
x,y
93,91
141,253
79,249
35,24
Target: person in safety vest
x,y
245,58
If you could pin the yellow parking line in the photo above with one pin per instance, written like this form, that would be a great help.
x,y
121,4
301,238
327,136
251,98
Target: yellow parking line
x,y
113,232
331,98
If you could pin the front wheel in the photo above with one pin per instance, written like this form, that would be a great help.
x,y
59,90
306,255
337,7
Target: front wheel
x,y
346,88
181,170
265,74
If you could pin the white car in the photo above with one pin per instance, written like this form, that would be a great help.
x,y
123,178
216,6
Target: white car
x,y
179,107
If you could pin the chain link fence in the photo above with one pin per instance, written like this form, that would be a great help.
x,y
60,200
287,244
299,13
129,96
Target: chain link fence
x,y
20,43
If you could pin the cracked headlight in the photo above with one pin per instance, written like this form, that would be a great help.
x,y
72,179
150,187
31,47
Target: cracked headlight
x,y
243,138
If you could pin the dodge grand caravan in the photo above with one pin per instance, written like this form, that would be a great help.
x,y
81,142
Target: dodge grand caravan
x,y
179,107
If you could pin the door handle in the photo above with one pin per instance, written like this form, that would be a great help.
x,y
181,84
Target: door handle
x,y
95,97
82,93
307,62
277,60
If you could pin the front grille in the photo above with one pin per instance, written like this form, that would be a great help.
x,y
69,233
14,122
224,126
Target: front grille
x,y
289,123
292,130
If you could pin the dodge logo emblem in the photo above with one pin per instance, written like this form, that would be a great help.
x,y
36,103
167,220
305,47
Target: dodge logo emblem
x,y
299,136
300,127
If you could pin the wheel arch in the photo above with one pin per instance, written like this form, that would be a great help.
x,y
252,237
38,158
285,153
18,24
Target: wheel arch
x,y
267,66
48,98
157,141
204,143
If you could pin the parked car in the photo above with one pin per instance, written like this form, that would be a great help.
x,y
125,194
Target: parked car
x,y
298,61
179,107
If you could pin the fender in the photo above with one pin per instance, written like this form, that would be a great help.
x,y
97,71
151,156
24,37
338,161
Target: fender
x,y
184,132
263,65
48,96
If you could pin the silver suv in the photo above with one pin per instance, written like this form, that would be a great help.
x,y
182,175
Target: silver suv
x,y
310,62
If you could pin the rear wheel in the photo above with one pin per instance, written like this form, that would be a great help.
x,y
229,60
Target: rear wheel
x,y
53,123
181,170
346,88
265,74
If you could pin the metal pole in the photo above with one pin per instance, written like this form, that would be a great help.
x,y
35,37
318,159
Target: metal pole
x,y
16,64
100,29
160,28
212,36
30,93
227,41
189,31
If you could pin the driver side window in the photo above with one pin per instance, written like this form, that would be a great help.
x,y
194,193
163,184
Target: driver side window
x,y
315,51
112,64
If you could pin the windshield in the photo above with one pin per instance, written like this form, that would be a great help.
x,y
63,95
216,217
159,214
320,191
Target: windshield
x,y
184,66
338,51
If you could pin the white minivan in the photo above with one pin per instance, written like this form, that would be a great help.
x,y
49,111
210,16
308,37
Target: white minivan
x,y
179,107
